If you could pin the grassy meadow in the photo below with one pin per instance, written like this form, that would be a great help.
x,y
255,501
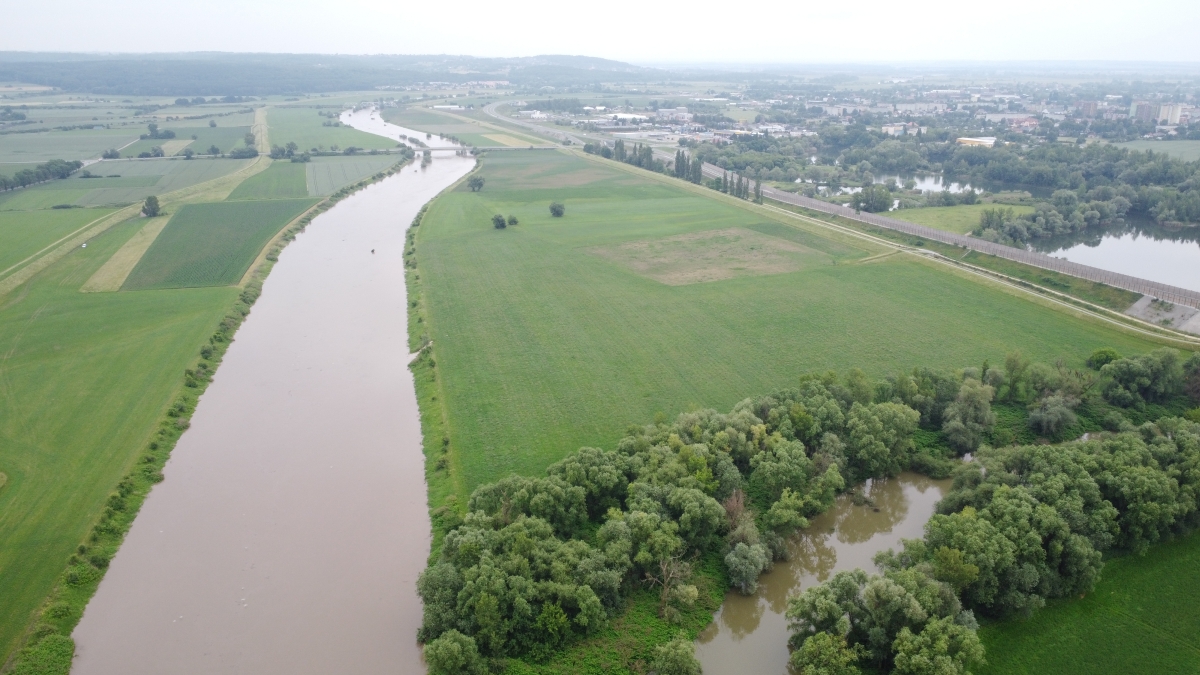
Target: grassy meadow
x,y
225,138
326,175
1143,617
282,180
24,233
551,335
960,219
466,131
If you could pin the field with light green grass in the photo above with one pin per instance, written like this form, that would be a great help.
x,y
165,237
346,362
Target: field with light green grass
x,y
85,379
435,122
959,219
38,197
1188,151
650,296
303,126
282,180
79,144
1143,617
25,233
211,244
225,138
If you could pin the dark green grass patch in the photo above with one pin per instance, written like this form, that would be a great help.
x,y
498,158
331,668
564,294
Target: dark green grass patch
x,y
281,180
543,347
1143,617
211,244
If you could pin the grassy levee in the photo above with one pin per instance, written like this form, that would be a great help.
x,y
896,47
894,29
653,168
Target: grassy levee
x,y
544,345
1142,617
1103,295
97,388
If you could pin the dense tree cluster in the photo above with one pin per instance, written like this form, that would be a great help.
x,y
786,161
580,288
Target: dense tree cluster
x,y
1021,525
55,168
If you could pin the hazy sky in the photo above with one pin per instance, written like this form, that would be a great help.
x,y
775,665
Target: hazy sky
x,y
778,31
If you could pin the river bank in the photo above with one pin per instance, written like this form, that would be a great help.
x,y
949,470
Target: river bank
x,y
293,523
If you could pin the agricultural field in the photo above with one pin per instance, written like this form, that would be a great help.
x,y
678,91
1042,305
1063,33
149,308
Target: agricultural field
x,y
1143,617
211,244
1185,150
326,175
557,333
435,122
123,182
282,180
23,234
958,219
303,126
86,378
225,138
79,144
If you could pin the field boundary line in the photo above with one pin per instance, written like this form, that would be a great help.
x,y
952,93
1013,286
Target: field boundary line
x,y
50,246
113,273
489,125
11,282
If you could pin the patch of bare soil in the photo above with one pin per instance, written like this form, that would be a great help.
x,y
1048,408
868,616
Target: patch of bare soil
x,y
712,255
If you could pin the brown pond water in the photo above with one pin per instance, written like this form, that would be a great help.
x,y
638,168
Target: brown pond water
x,y
749,634
292,525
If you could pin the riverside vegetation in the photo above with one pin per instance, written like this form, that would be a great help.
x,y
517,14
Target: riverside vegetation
x,y
536,564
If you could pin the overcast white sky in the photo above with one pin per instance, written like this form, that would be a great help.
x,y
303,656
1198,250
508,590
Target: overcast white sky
x,y
776,31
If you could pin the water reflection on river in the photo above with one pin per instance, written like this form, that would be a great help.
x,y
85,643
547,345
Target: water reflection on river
x,y
1137,247
292,525
749,633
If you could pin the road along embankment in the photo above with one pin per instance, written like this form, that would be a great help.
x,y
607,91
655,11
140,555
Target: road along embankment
x,y
292,525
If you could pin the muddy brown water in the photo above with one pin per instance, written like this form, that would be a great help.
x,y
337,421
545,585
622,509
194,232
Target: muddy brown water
x,y
749,633
292,525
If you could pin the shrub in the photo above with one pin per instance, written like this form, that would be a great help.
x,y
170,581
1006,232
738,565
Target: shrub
x,y
499,222
512,221
677,657
1102,357
557,210
454,654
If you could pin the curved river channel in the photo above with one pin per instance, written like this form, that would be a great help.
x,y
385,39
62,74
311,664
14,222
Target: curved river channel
x,y
292,525
749,634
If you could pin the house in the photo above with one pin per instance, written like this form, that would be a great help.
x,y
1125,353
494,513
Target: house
x,y
985,141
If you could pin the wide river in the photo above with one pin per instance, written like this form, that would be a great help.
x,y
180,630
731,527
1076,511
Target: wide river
x,y
292,525
749,633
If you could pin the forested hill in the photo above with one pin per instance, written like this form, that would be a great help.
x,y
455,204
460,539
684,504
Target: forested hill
x,y
222,74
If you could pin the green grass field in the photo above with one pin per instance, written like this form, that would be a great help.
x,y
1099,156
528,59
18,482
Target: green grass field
x,y
960,219
434,122
211,244
225,138
38,197
302,126
1185,150
282,180
80,144
84,380
23,234
1143,617
327,175
550,337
